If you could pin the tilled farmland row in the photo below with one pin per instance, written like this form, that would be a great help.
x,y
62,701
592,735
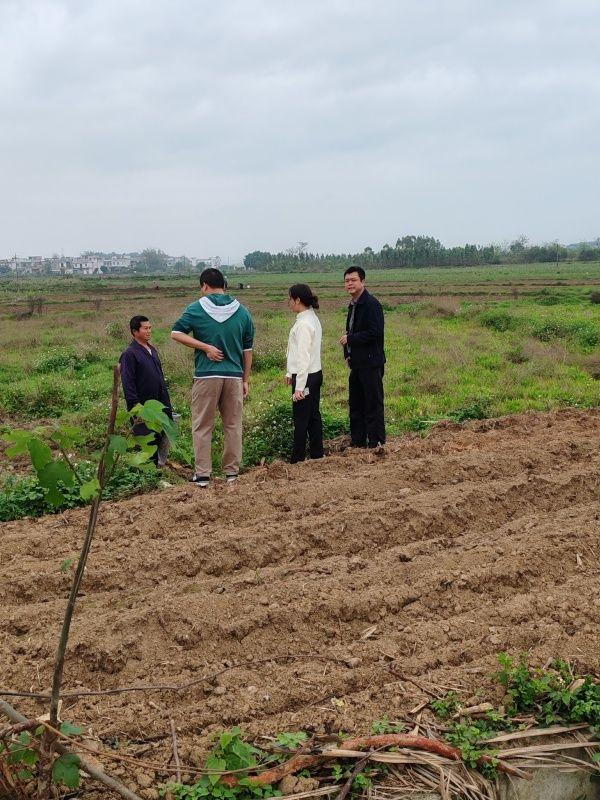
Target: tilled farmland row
x,y
336,583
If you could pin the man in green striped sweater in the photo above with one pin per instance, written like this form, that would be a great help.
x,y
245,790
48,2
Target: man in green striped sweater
x,y
221,332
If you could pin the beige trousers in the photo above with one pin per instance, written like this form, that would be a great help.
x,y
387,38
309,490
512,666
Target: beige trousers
x,y
208,394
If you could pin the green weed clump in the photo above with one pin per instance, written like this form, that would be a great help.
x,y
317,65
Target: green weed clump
x,y
270,436
552,696
36,399
499,321
264,360
116,330
230,753
584,333
65,359
24,496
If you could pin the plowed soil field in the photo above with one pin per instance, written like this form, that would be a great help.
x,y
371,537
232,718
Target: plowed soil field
x,y
335,585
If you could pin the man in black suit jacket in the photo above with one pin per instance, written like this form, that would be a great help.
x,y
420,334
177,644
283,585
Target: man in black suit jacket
x,y
142,375
363,351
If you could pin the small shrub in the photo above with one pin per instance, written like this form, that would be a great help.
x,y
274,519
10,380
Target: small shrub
x,y
476,409
595,297
499,321
586,333
549,300
546,331
116,330
516,355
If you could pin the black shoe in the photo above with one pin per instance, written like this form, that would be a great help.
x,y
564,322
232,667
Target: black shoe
x,y
200,481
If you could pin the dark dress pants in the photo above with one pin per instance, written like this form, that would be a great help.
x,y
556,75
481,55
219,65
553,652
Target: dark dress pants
x,y
307,419
365,398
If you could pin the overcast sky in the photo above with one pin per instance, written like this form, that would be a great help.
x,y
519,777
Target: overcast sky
x,y
212,128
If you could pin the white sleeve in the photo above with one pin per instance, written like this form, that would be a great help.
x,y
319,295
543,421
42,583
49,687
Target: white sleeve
x,y
304,341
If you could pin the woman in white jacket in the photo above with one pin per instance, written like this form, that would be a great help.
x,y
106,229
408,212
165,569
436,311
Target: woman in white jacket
x,y
304,373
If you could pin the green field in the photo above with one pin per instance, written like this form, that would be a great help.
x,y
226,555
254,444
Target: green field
x,y
461,343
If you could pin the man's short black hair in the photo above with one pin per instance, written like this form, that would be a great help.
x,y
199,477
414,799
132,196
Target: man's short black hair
x,y
359,270
135,323
212,277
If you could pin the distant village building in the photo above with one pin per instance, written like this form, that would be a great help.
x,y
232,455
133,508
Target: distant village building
x,y
89,264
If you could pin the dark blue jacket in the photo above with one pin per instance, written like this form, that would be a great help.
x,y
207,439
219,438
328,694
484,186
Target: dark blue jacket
x,y
142,376
365,342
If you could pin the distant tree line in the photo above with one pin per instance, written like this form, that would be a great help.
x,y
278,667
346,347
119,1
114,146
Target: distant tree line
x,y
415,252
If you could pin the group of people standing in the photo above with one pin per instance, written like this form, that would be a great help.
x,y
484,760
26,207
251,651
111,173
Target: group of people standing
x,y
220,331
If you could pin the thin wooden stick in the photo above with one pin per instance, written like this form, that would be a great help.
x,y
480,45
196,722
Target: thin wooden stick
x,y
358,767
175,753
12,730
87,543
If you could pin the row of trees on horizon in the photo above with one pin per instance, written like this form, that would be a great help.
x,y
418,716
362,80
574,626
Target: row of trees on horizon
x,y
415,252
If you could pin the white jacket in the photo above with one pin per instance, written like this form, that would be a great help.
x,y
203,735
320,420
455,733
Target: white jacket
x,y
304,347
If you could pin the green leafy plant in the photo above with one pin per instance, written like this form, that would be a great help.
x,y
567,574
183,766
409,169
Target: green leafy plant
x,y
50,449
384,725
466,736
230,753
270,435
291,741
553,695
23,753
446,706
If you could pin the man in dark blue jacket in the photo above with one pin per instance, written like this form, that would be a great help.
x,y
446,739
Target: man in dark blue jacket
x,y
141,373
364,354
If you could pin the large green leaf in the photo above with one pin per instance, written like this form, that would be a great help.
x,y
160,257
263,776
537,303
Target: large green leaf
x,y
40,454
139,458
69,729
66,436
65,770
89,489
51,476
153,415
123,417
117,444
20,442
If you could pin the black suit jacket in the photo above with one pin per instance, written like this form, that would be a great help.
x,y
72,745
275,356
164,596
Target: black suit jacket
x,y
365,343
142,379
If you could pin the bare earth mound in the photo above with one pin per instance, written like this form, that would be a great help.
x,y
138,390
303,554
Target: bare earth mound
x,y
368,570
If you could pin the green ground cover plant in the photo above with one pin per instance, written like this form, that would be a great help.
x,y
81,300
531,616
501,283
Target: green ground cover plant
x,y
550,696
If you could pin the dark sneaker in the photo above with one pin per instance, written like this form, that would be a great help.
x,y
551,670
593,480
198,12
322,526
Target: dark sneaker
x,y
200,481
231,478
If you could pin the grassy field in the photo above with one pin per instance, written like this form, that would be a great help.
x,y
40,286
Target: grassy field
x,y
460,343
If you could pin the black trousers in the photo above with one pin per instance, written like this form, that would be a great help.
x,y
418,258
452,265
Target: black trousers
x,y
307,419
365,398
